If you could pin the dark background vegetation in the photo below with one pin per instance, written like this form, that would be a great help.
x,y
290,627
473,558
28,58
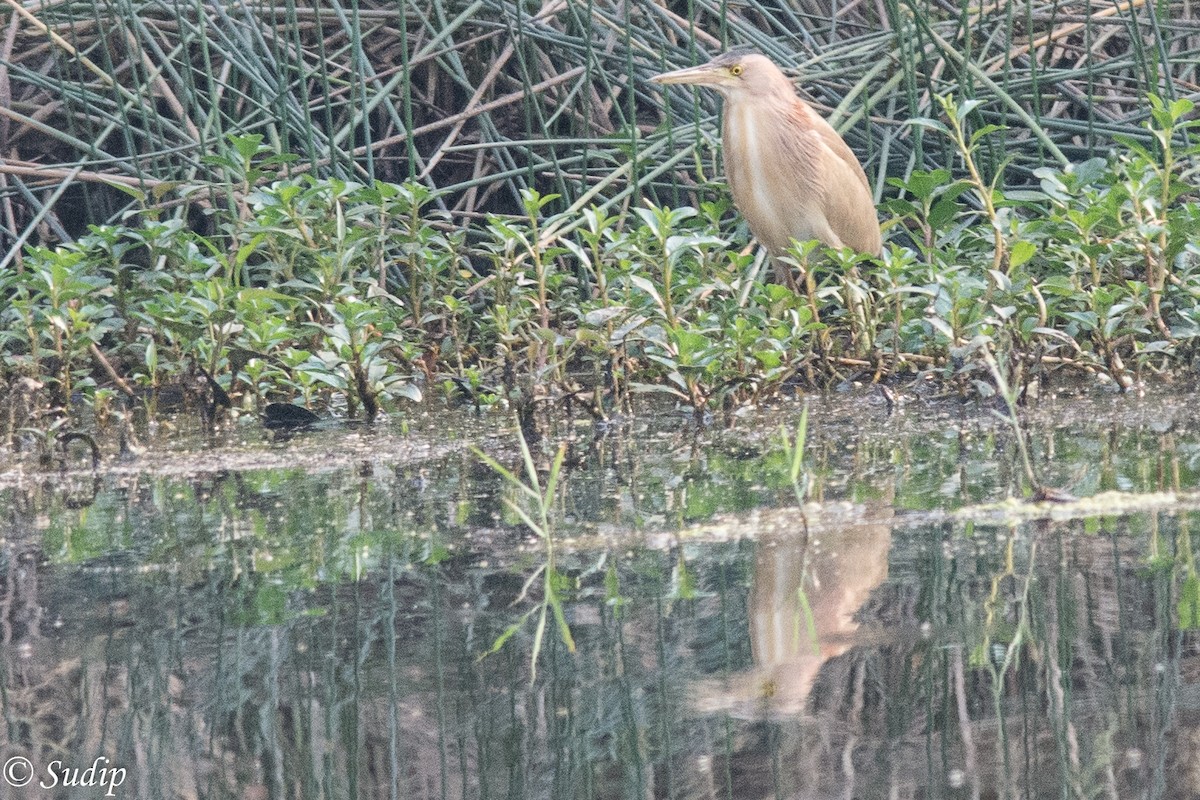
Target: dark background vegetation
x,y
483,98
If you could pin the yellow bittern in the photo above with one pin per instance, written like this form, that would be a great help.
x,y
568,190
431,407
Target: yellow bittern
x,y
792,176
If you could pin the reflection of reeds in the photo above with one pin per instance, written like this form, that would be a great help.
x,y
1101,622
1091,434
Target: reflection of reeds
x,y
381,689
1036,668
1009,393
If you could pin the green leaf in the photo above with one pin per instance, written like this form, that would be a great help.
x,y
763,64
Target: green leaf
x,y
1087,320
1090,171
798,445
966,107
507,634
647,287
528,520
539,633
685,582
132,191
1189,602
601,316
248,145
1025,196
942,212
1181,108
690,345
498,468
692,240
407,390
983,131
932,124
564,630
248,248
1021,252
655,388
1134,145
552,478
1003,283
769,359
256,294
941,326
924,184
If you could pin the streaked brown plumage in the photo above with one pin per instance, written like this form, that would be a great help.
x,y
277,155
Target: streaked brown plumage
x,y
791,175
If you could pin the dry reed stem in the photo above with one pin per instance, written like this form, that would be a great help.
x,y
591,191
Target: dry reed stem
x,y
469,113
61,42
32,170
1060,33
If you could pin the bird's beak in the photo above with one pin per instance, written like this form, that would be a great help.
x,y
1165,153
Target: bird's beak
x,y
703,75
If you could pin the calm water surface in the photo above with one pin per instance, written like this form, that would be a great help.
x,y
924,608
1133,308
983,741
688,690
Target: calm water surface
x,y
315,618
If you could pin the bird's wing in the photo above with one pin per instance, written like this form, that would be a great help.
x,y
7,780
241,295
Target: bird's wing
x,y
848,202
838,147
850,207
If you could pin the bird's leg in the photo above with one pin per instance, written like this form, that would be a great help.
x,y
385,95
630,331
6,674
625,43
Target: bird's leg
x,y
857,309
786,276
810,289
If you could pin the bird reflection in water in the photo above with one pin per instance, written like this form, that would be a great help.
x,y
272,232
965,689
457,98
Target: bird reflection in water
x,y
807,590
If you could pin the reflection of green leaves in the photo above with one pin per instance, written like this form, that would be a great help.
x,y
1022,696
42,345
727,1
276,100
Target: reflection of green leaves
x,y
509,632
612,590
683,585
1189,601
555,584
436,553
805,615
542,498
268,606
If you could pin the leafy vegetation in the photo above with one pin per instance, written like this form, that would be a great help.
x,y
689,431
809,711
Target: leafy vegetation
x,y
481,100
353,296
348,207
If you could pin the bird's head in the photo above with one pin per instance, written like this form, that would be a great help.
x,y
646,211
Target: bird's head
x,y
738,73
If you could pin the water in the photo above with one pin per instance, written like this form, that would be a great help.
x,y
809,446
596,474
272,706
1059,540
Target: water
x,y
313,618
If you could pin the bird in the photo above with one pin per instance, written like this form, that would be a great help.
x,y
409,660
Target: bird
x,y
792,176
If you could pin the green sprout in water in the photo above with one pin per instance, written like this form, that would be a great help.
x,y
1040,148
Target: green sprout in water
x,y
794,448
540,499
798,476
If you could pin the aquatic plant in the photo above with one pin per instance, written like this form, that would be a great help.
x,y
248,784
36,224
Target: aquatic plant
x,y
540,497
794,446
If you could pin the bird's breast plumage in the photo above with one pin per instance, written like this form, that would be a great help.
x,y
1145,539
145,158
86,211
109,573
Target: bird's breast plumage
x,y
774,177
792,177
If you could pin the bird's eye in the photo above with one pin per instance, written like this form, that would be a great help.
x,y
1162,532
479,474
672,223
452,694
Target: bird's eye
x,y
735,70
